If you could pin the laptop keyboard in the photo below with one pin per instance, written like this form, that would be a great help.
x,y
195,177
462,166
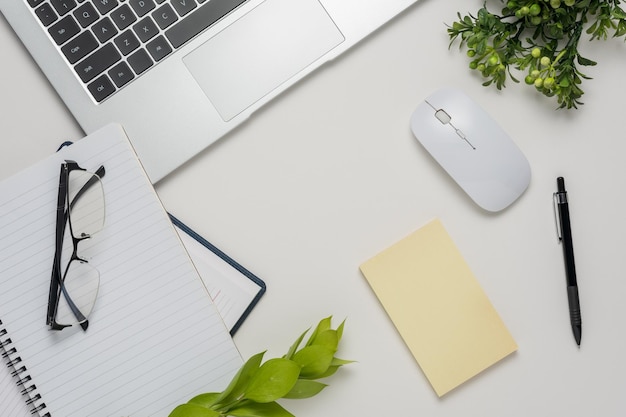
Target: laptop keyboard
x,y
109,43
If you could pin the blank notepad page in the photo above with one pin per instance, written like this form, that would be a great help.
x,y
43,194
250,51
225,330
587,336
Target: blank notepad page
x,y
438,307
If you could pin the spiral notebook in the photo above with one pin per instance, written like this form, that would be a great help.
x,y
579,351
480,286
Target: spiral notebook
x,y
155,337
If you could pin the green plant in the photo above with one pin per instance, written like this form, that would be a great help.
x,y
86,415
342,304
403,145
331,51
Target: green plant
x,y
541,38
254,390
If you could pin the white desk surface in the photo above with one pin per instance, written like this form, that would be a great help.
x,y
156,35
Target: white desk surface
x,y
329,174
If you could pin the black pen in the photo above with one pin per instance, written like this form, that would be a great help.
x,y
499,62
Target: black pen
x,y
564,231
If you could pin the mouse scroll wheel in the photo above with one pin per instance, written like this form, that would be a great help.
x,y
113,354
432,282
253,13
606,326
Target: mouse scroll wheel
x,y
443,117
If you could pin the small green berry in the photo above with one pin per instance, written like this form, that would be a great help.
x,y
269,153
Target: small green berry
x,y
534,10
545,61
536,52
539,82
529,79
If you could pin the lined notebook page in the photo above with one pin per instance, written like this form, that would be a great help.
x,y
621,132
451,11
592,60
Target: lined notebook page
x,y
155,338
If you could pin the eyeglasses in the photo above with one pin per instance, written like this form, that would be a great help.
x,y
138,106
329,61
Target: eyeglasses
x,y
74,289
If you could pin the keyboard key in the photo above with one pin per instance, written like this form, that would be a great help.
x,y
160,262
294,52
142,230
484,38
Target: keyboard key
x,y
127,42
99,61
45,14
121,74
140,61
184,6
86,14
104,30
101,88
63,7
105,6
141,7
199,20
159,48
34,3
164,16
79,47
64,30
145,29
123,16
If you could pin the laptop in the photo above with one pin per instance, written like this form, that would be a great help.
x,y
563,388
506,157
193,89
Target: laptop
x,y
179,74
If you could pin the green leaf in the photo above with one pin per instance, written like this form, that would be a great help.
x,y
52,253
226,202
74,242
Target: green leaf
x,y
295,345
323,325
584,61
240,381
305,388
335,364
621,29
274,379
271,409
205,400
340,362
340,330
618,13
193,410
314,360
329,372
327,338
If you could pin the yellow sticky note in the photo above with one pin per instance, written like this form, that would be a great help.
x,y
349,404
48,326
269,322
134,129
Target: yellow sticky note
x,y
438,307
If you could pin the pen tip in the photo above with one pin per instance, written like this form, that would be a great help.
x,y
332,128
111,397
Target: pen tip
x,y
577,333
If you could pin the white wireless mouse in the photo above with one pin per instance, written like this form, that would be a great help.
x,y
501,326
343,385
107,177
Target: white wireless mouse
x,y
472,148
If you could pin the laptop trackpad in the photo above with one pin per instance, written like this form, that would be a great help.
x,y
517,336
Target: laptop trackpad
x,y
260,51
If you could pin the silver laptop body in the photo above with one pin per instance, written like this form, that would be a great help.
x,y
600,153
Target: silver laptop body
x,y
179,74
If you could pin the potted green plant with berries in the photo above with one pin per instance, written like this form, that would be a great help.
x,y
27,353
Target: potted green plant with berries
x,y
539,38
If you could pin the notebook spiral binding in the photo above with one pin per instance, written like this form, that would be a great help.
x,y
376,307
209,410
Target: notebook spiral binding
x,y
19,372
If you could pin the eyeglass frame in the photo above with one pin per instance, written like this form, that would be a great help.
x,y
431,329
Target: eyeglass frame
x,y
63,219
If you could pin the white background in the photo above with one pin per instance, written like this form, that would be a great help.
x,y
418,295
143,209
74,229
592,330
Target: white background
x,y
329,174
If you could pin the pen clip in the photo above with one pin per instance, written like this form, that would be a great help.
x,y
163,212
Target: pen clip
x,y
557,221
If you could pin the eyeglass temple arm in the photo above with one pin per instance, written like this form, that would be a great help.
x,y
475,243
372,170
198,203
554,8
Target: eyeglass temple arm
x,y
60,231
